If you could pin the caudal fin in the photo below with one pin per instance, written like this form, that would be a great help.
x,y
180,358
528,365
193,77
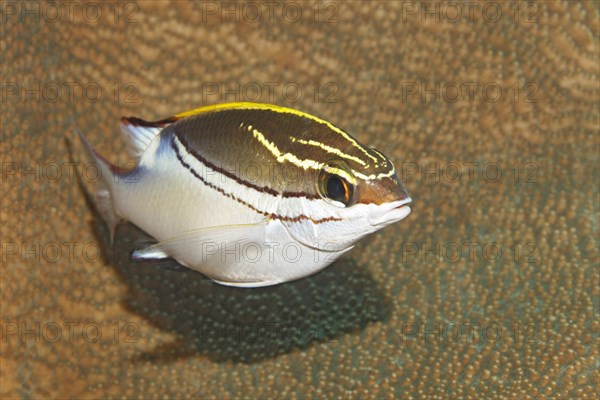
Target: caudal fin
x,y
104,186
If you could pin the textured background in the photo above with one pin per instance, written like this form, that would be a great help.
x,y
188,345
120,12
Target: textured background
x,y
381,322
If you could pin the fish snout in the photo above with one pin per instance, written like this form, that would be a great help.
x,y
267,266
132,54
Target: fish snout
x,y
389,213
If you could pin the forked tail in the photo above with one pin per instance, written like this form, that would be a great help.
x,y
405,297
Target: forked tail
x,y
104,186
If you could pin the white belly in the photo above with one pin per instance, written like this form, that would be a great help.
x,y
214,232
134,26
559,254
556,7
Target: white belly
x,y
274,259
169,202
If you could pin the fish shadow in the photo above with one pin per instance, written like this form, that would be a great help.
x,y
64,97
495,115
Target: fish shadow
x,y
240,324
236,324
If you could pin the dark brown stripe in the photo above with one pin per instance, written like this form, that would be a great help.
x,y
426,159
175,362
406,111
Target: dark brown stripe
x,y
135,121
262,189
231,196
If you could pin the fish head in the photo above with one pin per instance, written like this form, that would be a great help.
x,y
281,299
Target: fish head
x,y
353,200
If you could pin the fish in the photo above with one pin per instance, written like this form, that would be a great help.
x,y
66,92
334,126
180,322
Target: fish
x,y
248,194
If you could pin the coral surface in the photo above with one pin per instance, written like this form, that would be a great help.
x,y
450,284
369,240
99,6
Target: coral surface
x,y
490,288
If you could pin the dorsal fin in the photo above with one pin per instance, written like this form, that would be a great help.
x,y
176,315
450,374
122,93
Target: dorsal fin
x,y
140,132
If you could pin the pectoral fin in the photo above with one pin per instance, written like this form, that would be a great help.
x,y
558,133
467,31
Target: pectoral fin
x,y
196,246
149,253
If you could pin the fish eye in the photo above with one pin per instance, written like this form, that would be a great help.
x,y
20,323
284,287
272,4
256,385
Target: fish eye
x,y
334,187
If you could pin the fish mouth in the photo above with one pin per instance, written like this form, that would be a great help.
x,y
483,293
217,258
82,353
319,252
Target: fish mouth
x,y
392,212
404,201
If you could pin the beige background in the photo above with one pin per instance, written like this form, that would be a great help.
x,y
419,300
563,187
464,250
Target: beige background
x,y
349,324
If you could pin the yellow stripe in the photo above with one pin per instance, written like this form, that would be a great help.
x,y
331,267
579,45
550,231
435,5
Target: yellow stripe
x,y
281,157
304,164
373,176
272,107
329,149
379,154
